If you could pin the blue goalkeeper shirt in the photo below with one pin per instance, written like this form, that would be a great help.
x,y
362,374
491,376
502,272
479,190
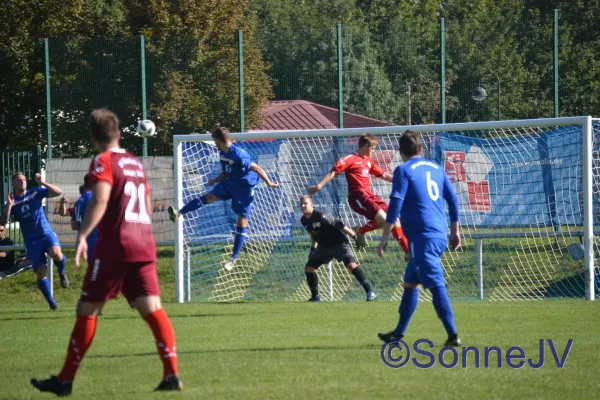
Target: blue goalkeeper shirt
x,y
29,213
419,188
236,164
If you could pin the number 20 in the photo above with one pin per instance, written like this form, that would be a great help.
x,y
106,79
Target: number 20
x,y
137,194
432,188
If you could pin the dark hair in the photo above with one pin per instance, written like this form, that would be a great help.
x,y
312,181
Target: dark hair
x,y
86,180
410,144
104,125
369,139
220,133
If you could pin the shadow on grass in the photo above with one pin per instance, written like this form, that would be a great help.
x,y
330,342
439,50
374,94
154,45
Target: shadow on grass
x,y
250,350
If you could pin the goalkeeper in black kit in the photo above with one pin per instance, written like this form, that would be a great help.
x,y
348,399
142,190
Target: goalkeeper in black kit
x,y
329,241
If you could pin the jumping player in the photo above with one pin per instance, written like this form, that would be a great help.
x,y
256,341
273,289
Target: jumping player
x,y
418,192
237,181
329,241
358,168
125,256
27,209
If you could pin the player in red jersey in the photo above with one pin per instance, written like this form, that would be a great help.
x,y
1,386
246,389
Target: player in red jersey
x,y
124,259
358,168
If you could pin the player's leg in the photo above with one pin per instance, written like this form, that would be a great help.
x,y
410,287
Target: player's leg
x,y
101,282
316,258
432,276
195,204
43,283
36,255
397,232
52,246
140,287
345,254
242,200
312,280
410,299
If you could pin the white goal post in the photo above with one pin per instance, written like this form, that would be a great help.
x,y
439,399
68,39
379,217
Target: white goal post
x,y
529,193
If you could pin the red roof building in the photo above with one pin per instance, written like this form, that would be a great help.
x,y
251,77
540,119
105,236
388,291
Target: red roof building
x,y
302,115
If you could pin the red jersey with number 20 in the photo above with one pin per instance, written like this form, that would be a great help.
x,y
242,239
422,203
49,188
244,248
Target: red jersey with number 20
x,y
358,171
125,231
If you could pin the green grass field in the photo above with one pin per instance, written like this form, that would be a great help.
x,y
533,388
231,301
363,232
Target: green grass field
x,y
293,350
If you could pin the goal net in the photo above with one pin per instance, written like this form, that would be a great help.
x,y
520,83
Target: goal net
x,y
529,197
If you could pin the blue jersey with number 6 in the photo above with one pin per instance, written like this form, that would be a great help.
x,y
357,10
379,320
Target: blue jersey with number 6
x,y
77,217
236,164
421,186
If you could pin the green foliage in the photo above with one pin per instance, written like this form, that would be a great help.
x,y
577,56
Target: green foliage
x,y
290,50
191,68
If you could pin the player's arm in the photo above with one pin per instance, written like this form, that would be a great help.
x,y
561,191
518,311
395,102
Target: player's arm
x,y
62,207
53,190
399,188
450,197
379,173
338,224
218,178
96,207
263,175
387,177
326,179
5,217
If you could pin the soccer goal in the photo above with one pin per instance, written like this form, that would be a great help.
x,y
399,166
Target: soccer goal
x,y
529,195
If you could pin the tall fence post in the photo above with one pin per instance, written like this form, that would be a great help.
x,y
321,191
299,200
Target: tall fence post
x,y
48,107
144,110
442,71
240,37
340,77
555,63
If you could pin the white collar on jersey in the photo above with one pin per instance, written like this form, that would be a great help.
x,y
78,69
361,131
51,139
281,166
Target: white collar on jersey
x,y
117,150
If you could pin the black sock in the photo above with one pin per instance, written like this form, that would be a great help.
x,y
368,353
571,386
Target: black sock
x,y
313,283
362,279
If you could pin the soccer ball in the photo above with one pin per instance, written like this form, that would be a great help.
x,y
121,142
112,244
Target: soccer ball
x,y
146,128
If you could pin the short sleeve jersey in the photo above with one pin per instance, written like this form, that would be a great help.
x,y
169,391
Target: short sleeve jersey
x,y
236,164
358,171
125,231
28,211
422,186
324,229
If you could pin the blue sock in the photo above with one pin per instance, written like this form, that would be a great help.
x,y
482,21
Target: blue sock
x,y
44,285
442,306
193,205
238,242
61,265
408,305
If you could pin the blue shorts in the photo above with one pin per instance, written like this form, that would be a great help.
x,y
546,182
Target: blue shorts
x,y
38,247
425,265
241,195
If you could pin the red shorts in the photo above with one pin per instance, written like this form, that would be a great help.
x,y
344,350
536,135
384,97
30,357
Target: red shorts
x,y
105,278
366,204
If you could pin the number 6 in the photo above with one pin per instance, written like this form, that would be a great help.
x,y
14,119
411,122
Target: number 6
x,y
432,188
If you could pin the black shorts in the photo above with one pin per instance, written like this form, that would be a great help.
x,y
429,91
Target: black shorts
x,y
341,252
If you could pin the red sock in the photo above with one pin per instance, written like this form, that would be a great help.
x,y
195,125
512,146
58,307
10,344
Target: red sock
x,y
81,339
371,226
400,238
165,341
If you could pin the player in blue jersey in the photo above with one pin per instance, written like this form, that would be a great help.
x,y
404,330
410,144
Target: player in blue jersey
x,y
77,213
25,206
419,188
237,181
